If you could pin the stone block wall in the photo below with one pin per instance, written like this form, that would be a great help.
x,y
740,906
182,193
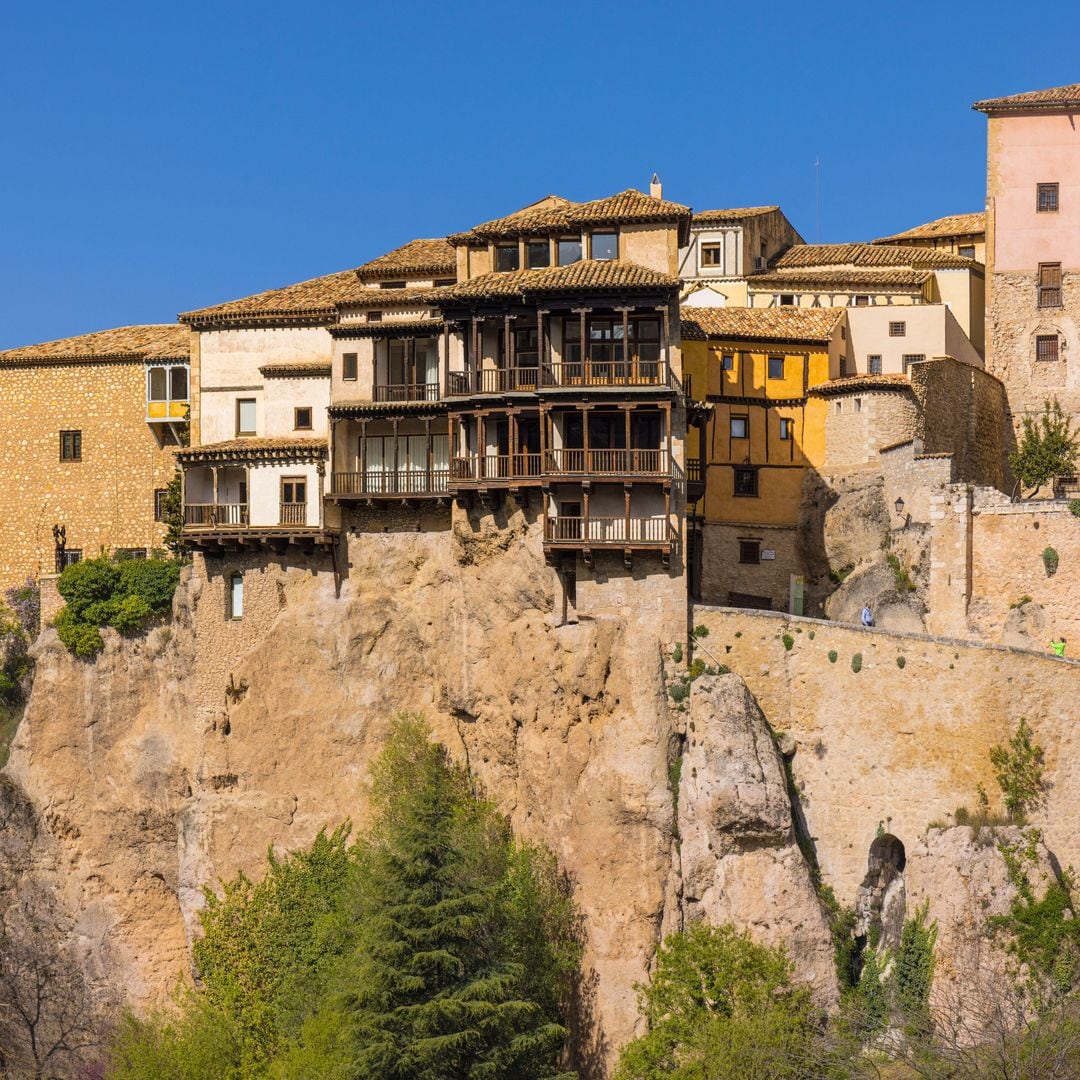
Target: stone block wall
x,y
891,746
723,574
858,424
106,500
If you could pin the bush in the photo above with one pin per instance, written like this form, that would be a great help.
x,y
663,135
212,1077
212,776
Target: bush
x,y
901,576
1047,448
832,656
789,642
20,616
856,663
1050,560
1025,599
901,662
701,631
1074,507
125,595
1018,769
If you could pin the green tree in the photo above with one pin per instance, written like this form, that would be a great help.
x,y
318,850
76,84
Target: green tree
x,y
720,1006
1018,769
1048,448
172,514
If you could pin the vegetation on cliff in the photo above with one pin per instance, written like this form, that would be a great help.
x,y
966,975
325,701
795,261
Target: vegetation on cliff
x,y
1048,448
434,946
20,616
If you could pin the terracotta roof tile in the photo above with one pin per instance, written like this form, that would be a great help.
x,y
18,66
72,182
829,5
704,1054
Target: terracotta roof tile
x,y
163,341
613,274
707,217
870,255
628,206
761,324
952,225
284,369
1055,98
851,383
843,280
242,447
413,259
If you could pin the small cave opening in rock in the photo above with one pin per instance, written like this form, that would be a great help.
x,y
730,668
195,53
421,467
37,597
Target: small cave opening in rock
x,y
880,901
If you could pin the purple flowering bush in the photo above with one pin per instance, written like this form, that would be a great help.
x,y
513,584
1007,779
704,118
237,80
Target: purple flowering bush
x,y
20,620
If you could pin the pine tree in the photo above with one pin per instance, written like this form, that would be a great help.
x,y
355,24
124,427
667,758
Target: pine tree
x,y
437,995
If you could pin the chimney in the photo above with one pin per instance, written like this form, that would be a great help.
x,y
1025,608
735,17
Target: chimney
x,y
656,189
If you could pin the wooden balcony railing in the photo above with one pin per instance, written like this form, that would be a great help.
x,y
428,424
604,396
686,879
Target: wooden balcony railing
x,y
609,462
294,513
635,372
494,381
614,531
387,482
215,515
695,472
406,392
486,467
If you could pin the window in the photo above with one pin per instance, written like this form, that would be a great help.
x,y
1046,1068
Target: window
x,y
739,426
526,347
787,299
302,418
537,254
441,283
245,416
236,596
569,250
1046,198
392,285
746,482
912,358
604,245
786,427
776,367
839,406
348,366
843,366
727,362
129,553
507,257
966,250
712,254
293,500
71,446
374,316
1046,347
862,301
750,551
858,404
159,503
873,364
1049,284
897,329
72,556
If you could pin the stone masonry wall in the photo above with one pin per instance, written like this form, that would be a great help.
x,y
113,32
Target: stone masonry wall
x,y
722,574
859,423
898,746
104,500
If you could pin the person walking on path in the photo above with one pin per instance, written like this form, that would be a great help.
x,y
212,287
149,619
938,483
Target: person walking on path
x,y
1058,647
867,616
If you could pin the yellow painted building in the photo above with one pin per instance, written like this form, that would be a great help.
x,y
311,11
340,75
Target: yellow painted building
x,y
751,369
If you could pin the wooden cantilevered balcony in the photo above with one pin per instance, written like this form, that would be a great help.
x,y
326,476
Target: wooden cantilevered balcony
x,y
624,531
381,483
507,380
486,470
394,392
593,463
215,515
562,375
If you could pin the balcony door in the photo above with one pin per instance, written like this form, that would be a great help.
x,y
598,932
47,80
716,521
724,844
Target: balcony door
x,y
293,500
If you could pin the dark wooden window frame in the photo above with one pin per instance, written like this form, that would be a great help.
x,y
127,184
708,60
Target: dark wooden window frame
x,y
787,424
71,445
592,241
1049,287
514,251
297,410
159,503
1047,198
898,328
712,254
239,430
774,357
349,367
873,363
530,245
1047,348
751,548
749,477
744,420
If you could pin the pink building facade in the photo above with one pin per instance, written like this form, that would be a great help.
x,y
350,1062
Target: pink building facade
x,y
1033,248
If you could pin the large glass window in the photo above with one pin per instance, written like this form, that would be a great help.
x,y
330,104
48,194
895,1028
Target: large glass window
x,y
526,351
507,257
178,383
245,416
537,254
569,250
159,384
605,245
776,367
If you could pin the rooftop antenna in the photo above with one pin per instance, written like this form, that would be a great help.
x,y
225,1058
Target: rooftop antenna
x,y
817,182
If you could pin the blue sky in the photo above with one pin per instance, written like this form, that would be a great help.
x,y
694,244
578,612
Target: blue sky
x,y
160,157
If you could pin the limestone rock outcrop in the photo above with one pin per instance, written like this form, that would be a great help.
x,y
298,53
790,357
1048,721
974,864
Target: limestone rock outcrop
x,y
740,859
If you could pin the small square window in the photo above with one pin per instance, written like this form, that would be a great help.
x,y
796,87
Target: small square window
x,y
245,416
569,250
786,427
604,246
159,504
873,364
302,418
1046,198
912,358
72,556
787,299
1046,347
750,551
739,426
727,362
862,301
966,250
537,254
776,367
348,366
374,316
897,329
746,484
71,446
507,257
712,254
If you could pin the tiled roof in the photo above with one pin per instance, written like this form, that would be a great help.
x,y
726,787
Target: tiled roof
x,y
285,369
870,255
953,225
855,278
861,382
384,298
239,448
165,341
1055,98
613,274
628,206
317,297
761,324
406,327
412,259
707,217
